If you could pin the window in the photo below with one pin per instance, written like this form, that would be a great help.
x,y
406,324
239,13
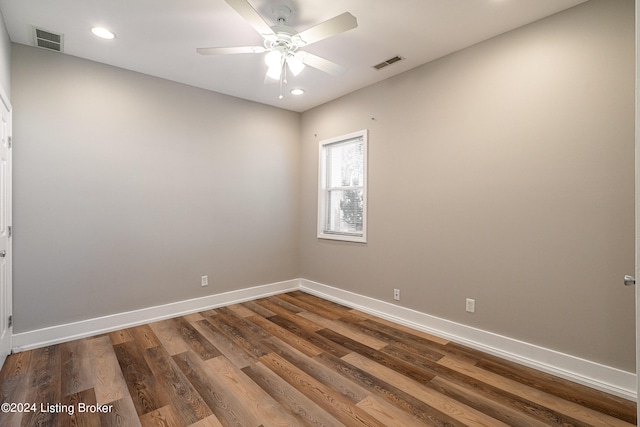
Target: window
x,y
342,188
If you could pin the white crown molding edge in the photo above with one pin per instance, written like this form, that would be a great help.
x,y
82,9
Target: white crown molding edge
x,y
591,374
70,331
585,372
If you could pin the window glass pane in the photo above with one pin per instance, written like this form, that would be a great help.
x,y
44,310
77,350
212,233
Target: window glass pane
x,y
345,164
345,211
342,188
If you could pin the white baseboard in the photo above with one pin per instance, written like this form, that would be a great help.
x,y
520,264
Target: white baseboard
x,y
85,328
591,374
601,377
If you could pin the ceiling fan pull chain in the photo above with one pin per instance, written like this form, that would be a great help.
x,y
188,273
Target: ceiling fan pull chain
x,y
283,77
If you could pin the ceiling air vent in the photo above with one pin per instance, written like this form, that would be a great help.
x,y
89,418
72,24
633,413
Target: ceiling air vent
x,y
47,40
387,62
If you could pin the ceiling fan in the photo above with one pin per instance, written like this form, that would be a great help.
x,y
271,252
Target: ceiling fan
x,y
282,42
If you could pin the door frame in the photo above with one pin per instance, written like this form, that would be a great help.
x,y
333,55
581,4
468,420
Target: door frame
x,y
6,346
637,201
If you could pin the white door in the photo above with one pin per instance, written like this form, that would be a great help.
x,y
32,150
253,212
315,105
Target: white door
x,y
5,228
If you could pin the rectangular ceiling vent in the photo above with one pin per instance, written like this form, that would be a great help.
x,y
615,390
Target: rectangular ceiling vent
x,y
388,62
47,40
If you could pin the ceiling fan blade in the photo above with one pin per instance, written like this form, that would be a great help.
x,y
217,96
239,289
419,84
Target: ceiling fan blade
x,y
333,26
226,50
321,63
244,8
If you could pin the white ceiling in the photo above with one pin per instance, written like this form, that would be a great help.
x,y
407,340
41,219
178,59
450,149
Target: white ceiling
x,y
160,37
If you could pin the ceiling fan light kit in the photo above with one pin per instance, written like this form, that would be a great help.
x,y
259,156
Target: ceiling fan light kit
x,y
282,42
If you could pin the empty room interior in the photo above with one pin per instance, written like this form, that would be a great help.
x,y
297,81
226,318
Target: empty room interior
x,y
169,213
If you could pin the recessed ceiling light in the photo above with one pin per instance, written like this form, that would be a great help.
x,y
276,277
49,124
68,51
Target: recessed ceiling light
x,y
297,91
103,33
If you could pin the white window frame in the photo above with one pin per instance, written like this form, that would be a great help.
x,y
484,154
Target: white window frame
x,y
324,190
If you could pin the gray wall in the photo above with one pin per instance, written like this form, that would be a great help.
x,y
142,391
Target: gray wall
x,y
504,173
128,188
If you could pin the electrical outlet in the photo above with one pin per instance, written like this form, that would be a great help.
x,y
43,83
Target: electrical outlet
x,y
471,305
396,294
204,280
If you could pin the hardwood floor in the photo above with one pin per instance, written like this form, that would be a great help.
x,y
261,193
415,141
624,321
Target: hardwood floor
x,y
287,360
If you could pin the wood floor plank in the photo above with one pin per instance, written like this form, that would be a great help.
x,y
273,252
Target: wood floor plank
x,y
194,339
77,372
425,411
405,368
491,407
257,402
193,317
169,336
577,393
291,316
226,407
290,338
239,334
258,309
241,310
310,336
390,415
144,336
188,404
400,340
322,306
120,336
210,421
341,407
285,394
402,328
581,413
292,359
441,402
147,395
123,413
344,329
318,371
237,355
109,384
45,387
76,417
15,384
162,417
304,305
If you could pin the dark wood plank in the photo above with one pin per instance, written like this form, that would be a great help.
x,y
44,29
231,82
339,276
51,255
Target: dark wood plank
x,y
144,336
226,406
45,387
258,309
239,334
340,406
421,410
284,393
572,392
236,354
310,336
188,404
145,392
77,415
290,338
15,384
195,340
405,368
